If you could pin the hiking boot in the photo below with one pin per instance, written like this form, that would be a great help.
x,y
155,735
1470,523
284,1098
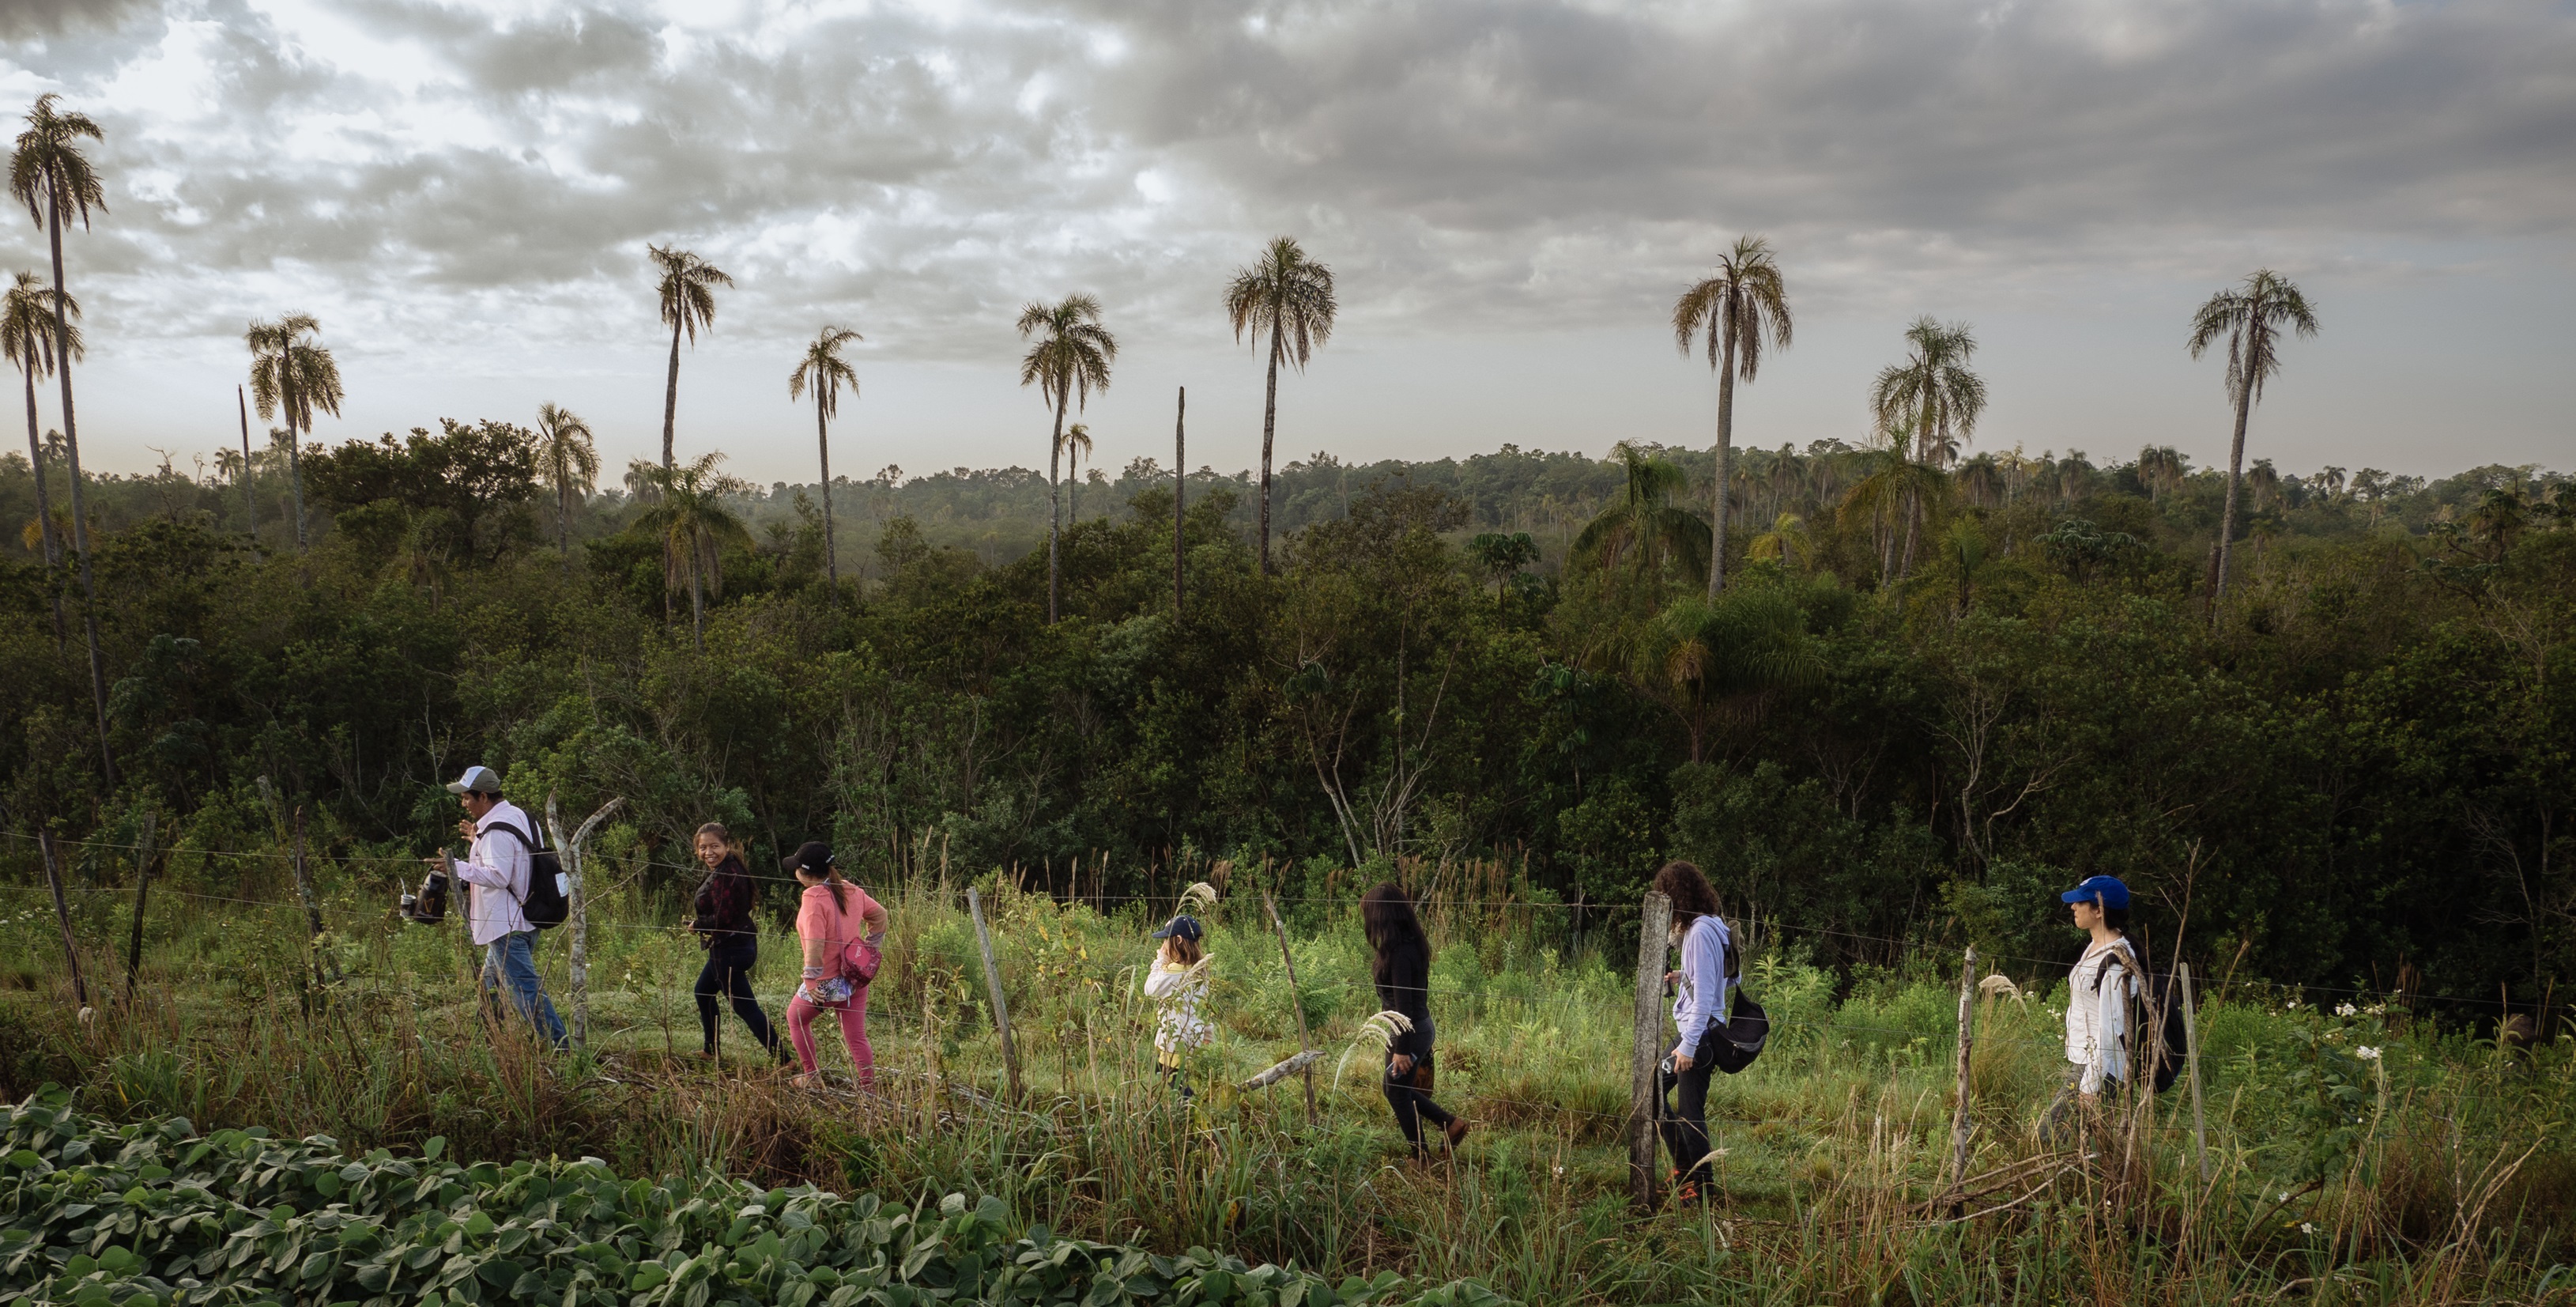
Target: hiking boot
x,y
1457,1130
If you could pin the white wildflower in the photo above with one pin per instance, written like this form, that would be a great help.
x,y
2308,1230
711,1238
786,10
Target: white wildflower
x,y
2366,1053
2307,1227
2346,1010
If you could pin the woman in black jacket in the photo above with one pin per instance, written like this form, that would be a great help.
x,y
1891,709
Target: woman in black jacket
x,y
725,930
1402,970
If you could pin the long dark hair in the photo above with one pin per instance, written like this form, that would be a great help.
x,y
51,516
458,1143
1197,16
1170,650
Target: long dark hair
x,y
1683,883
1387,917
806,858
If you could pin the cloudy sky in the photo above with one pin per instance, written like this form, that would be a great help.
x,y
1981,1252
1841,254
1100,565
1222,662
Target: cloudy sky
x,y
1511,194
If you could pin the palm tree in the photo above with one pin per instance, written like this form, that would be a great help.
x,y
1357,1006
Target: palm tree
x,y
1893,493
1291,297
49,174
1077,447
1787,541
293,375
27,338
824,372
567,457
1070,360
1711,660
1734,306
684,507
1934,395
688,298
1643,524
2250,317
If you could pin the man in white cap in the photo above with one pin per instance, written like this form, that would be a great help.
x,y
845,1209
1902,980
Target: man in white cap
x,y
499,865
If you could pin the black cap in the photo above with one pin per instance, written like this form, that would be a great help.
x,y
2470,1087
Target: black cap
x,y
813,855
1183,926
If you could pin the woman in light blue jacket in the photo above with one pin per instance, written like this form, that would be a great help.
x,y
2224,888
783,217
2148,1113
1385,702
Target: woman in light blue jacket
x,y
1699,1018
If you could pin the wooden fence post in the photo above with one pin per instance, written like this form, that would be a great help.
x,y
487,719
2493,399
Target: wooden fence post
x,y
63,916
993,986
577,910
2191,1063
1960,1127
142,895
1296,1000
1654,929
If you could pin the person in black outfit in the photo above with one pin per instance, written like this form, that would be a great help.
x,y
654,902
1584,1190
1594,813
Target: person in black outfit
x,y
1402,970
725,930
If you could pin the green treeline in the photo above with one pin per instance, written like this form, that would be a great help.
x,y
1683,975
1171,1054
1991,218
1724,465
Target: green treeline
x,y
1924,699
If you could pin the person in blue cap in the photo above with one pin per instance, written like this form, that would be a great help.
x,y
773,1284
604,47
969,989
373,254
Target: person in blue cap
x,y
2099,994
1178,983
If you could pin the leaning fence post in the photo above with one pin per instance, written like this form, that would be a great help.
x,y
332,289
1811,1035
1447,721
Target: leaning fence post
x,y
577,908
993,985
1296,1000
2191,1063
63,916
142,894
312,908
1654,928
1959,1124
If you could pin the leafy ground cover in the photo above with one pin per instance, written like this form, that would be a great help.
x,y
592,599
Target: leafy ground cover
x,y
152,1212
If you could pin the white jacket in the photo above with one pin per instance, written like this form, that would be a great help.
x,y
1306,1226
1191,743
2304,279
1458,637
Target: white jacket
x,y
2097,1013
1180,990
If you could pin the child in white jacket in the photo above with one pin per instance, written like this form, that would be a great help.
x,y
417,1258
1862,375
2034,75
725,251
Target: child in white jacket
x,y
1178,984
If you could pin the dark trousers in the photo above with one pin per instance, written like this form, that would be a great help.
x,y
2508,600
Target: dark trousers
x,y
1413,1106
1684,1125
728,972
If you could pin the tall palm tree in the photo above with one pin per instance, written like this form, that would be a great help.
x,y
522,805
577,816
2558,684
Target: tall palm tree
x,y
1734,307
49,174
1711,660
1643,525
291,374
2251,317
27,338
688,298
569,459
1069,361
1077,447
1934,395
1291,297
823,371
684,508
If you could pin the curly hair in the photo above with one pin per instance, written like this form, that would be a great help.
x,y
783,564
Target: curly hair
x,y
1683,883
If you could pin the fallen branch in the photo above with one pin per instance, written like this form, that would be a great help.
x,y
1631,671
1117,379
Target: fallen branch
x,y
1284,1070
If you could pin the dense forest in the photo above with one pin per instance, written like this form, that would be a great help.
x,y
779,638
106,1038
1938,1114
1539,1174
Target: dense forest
x,y
1925,698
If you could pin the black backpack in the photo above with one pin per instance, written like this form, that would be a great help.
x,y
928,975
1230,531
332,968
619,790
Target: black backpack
x,y
1747,1027
2159,1004
545,905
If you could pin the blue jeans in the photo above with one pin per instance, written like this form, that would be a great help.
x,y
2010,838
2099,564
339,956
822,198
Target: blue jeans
x,y
512,960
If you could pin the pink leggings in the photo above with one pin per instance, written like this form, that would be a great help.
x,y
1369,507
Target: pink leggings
x,y
854,1032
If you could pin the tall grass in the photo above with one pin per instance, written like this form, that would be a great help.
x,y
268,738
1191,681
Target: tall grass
x,y
2433,1167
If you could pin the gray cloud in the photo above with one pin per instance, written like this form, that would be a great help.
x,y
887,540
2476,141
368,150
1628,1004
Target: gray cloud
x,y
1524,162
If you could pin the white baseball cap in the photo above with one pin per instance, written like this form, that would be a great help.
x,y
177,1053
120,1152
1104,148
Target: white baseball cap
x,y
480,780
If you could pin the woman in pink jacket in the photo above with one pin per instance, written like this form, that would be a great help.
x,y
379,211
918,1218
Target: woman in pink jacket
x,y
834,912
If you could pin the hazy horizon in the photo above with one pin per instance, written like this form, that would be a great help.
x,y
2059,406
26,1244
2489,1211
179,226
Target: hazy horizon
x,y
1510,195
